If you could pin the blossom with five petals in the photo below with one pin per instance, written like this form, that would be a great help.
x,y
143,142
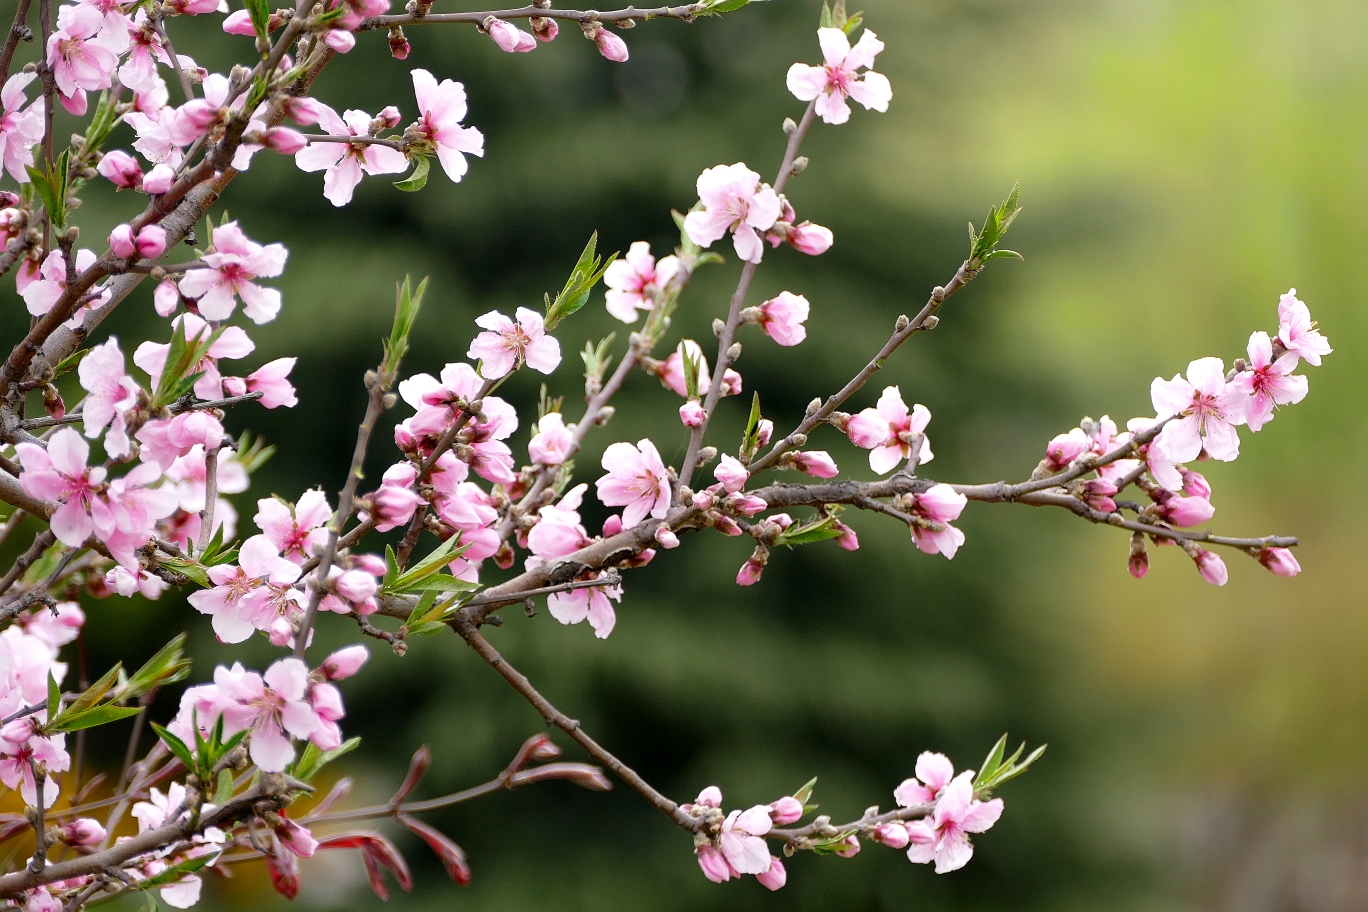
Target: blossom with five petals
x,y
942,837
1268,382
345,162
889,430
634,282
232,271
1204,410
839,77
1297,331
733,199
636,480
441,107
505,344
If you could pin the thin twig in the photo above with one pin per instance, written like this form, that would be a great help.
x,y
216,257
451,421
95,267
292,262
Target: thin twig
x,y
16,33
686,12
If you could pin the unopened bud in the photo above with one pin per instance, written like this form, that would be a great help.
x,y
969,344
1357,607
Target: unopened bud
x,y
400,648
797,439
1139,557
73,234
799,165
707,455
399,45
931,322
734,352
790,126
604,415
901,323
813,406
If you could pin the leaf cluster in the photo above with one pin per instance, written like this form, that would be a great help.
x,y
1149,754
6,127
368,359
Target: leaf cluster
x,y
586,274
996,769
983,244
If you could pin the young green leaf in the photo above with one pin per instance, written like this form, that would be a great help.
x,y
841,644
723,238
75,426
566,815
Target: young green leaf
x,y
416,180
983,244
175,745
70,721
168,666
313,760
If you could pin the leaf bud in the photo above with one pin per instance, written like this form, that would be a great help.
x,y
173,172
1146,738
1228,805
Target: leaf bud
x,y
604,415
400,648
389,400
902,323
73,234
790,127
717,325
813,406
797,439
707,455
799,165
734,351
931,322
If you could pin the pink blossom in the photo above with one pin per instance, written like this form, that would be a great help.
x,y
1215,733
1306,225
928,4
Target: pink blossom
x,y
112,393
345,662
271,381
149,243
40,296
840,78
17,762
1297,331
733,199
271,707
134,510
295,530
1268,382
889,430
782,318
691,414
1212,568
441,108
345,162
934,773
1183,511
1065,448
742,842
240,591
731,473
558,531
943,837
941,504
1279,561
634,282
591,604
552,443
239,23
509,37
506,344
610,46
20,130
59,473
1161,466
636,480
79,56
83,831
671,371
139,71
1205,412
166,440
232,271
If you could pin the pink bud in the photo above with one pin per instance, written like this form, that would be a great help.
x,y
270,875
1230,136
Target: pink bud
x,y
731,383
612,525
786,810
1065,448
782,520
283,140
764,430
239,23
1279,561
398,44
339,40
666,538
545,29
282,632
392,506
731,473
83,831
296,838
847,539
746,504
691,413
814,240
1194,483
344,663
727,526
749,573
304,111
510,38
121,241
370,563
1184,511
852,847
817,463
1097,494
121,170
710,797
610,45
151,242
159,179
775,877
355,585
714,866
389,116
20,730
1138,564
702,500
165,300
893,834
1212,568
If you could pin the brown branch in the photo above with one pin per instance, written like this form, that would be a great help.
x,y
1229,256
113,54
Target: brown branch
x,y
17,32
555,717
687,13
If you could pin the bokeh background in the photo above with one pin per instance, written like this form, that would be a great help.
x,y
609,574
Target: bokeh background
x,y
1182,164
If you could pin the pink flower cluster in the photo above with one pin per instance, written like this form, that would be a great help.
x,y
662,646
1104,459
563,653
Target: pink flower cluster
x,y
942,836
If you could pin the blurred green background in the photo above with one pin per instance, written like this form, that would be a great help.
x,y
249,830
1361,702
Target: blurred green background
x,y
1182,164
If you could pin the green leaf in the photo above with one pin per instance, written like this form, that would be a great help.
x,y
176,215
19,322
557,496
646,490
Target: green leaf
x,y
97,715
993,760
191,570
95,692
414,579
102,122
168,666
805,793
726,6
182,356
406,306
260,14
586,274
224,792
983,245
809,536
69,362
417,180
177,871
54,697
175,745
51,186
313,760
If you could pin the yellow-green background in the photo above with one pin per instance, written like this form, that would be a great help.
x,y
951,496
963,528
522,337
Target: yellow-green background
x,y
1182,164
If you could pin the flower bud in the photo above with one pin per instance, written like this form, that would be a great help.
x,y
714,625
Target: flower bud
x,y
847,539
714,866
892,834
239,23
814,240
355,585
159,179
389,117
545,29
610,45
339,40
775,877
165,300
817,463
666,538
1279,561
710,797
282,633
750,571
399,45
1212,568
344,662
1194,483
53,403
746,504
509,37
83,831
764,430
612,525
786,810
121,241
1138,564
1183,511
851,848
20,730
691,413
283,140
121,170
